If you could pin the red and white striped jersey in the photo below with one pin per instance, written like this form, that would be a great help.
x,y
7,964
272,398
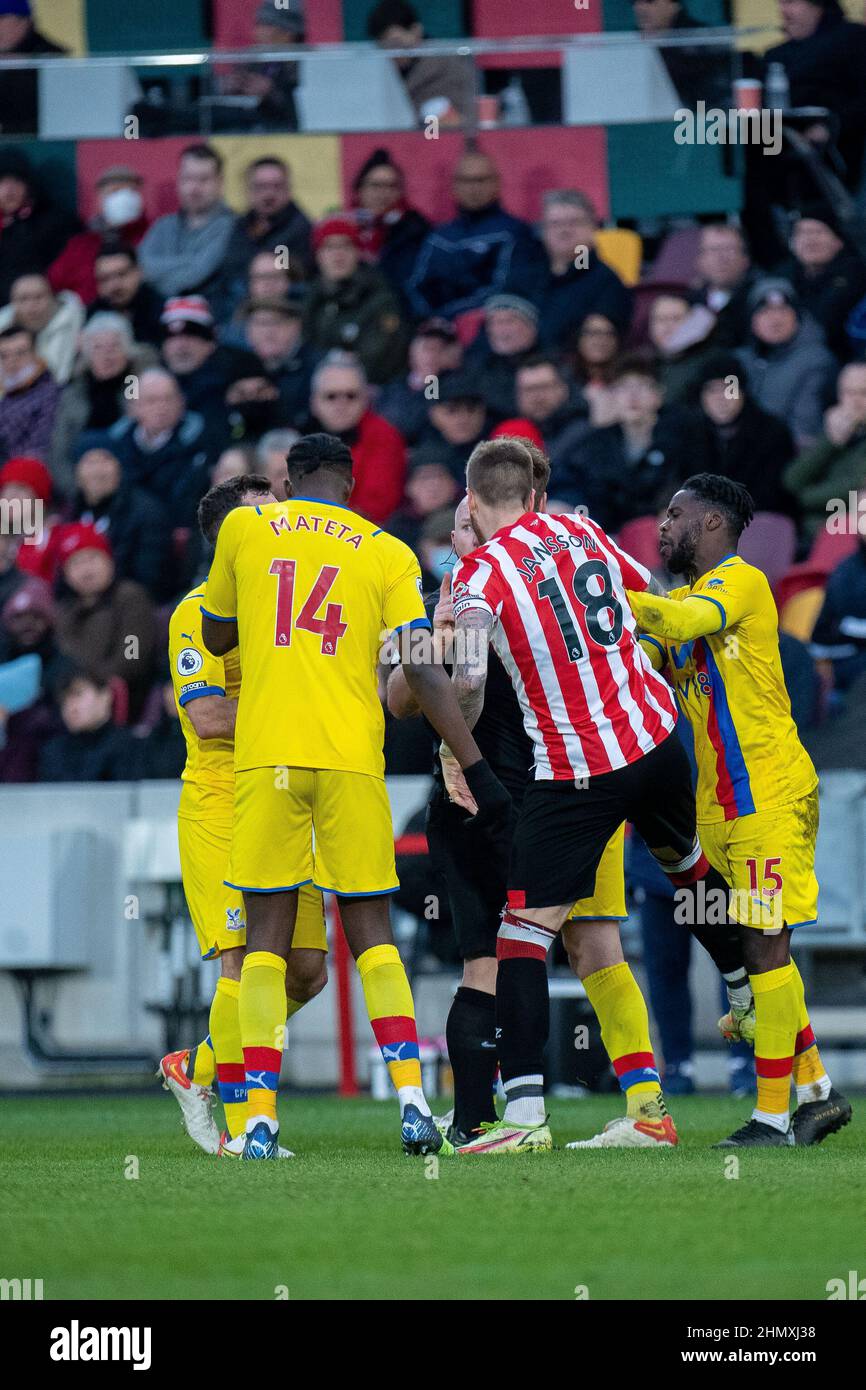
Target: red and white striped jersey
x,y
563,629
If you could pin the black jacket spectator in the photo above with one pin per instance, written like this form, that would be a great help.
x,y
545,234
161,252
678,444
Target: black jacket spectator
x,y
464,261
35,231
19,90
754,450
564,300
289,227
176,473
840,632
616,488
109,754
830,294
827,69
136,527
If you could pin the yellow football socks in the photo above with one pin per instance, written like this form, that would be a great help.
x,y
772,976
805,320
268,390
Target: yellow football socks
x,y
262,1015
622,1013
810,1078
777,1010
392,1017
225,1030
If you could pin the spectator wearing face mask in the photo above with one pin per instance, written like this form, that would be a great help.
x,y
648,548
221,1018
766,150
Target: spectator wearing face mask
x,y
103,620
27,629
121,219
54,320
435,549
30,396
91,747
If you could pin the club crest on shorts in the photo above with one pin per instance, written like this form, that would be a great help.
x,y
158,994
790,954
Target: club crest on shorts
x,y
189,661
234,920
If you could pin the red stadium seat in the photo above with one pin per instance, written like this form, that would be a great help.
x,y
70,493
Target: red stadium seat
x,y
120,700
769,544
829,549
468,325
640,539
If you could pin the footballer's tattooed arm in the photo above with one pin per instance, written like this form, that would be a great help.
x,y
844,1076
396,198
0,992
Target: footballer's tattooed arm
x,y
469,655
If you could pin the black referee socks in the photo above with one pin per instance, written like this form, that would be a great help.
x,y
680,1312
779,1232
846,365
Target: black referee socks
x,y
471,1036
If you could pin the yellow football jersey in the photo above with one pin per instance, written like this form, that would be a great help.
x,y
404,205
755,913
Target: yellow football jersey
x,y
195,672
729,684
313,587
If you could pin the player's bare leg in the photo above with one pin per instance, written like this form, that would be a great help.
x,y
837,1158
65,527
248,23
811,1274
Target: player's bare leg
x,y
367,924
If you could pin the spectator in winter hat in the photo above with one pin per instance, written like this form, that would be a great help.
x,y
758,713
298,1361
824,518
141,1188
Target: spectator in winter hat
x,y
351,306
120,220
105,622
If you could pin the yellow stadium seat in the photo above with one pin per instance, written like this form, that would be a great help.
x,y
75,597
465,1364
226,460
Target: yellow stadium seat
x,y
622,250
800,614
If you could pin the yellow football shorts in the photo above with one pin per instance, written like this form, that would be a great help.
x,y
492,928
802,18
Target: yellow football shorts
x,y
607,900
768,859
216,910
296,825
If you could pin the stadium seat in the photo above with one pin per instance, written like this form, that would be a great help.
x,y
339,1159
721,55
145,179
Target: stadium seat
x,y
468,325
622,250
120,700
829,549
799,613
675,260
769,544
640,539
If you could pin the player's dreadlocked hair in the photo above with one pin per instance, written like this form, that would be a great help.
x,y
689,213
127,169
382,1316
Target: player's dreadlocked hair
x,y
732,499
216,504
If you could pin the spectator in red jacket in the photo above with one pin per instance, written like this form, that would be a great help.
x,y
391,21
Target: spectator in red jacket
x,y
121,218
340,405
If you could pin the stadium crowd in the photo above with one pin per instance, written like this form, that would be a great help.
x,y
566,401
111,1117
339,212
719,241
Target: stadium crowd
x,y
142,361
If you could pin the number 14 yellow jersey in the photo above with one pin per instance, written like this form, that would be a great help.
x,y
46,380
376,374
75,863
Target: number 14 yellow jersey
x,y
313,588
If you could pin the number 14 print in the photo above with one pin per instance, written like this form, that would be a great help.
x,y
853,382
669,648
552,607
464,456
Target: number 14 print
x,y
330,628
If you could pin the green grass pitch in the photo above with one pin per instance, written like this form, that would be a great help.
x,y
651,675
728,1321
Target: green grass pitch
x,y
351,1218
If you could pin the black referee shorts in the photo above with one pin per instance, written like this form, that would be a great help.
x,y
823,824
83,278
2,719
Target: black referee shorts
x,y
562,829
472,867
